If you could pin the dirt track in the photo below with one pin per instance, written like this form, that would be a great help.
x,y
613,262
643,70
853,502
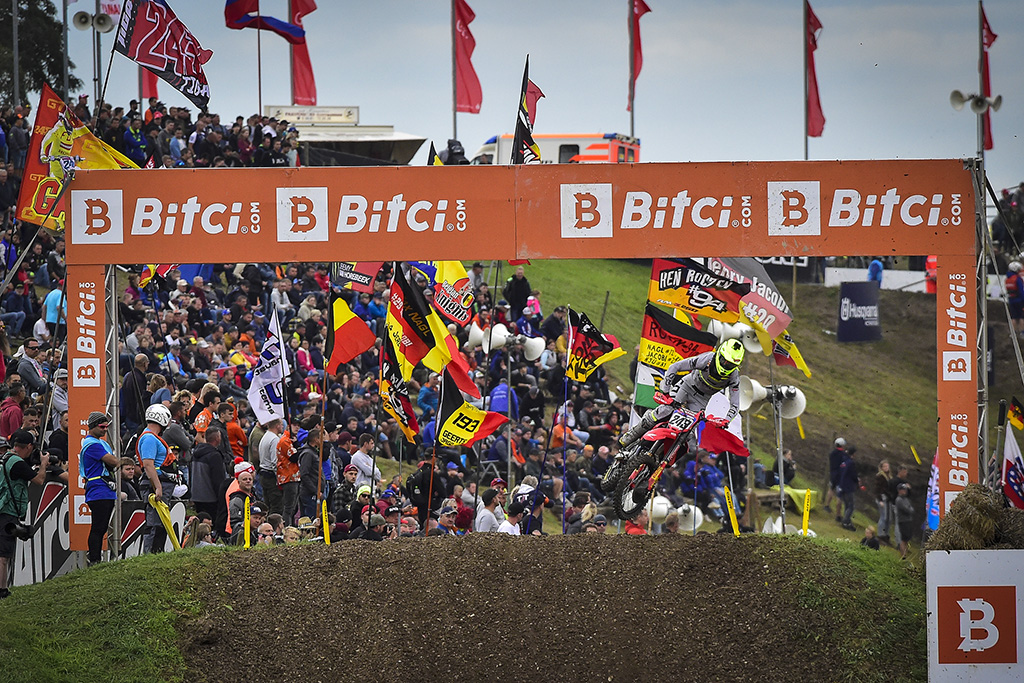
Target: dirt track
x,y
488,607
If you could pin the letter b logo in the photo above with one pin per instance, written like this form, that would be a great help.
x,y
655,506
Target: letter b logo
x,y
302,214
96,217
977,624
794,208
586,210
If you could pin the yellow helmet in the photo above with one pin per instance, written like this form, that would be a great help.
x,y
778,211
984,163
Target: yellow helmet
x,y
729,356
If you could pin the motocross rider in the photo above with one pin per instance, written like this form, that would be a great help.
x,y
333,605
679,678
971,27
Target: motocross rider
x,y
709,373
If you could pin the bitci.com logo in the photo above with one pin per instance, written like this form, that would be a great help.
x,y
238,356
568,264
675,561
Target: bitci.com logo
x,y
96,217
977,624
794,208
586,210
302,214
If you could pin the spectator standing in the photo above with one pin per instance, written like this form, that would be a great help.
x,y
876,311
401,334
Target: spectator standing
x,y
516,290
30,369
368,474
485,519
904,517
207,474
847,486
309,473
97,461
268,466
515,514
882,500
132,389
835,459
11,413
17,475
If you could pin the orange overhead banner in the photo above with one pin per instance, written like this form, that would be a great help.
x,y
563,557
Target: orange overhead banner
x,y
525,212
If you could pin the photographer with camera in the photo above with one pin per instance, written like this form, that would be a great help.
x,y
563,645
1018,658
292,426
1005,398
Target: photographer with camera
x,y
16,474
96,465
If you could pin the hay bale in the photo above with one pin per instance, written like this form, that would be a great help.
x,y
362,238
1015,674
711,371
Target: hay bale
x,y
1010,527
970,523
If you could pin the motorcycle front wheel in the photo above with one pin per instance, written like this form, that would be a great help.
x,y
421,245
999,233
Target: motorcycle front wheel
x,y
632,492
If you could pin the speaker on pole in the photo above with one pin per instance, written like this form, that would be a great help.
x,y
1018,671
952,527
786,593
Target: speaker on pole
x,y
103,23
82,21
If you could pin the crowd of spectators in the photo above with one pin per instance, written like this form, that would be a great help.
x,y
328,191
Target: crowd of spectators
x,y
190,345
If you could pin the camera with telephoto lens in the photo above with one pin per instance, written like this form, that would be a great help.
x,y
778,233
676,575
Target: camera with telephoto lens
x,y
19,530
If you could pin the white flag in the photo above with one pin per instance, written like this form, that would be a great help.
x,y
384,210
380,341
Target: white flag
x,y
266,392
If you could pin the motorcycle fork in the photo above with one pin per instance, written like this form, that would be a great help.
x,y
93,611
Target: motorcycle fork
x,y
669,461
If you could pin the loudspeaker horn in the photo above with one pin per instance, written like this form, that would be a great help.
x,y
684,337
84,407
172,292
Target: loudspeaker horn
x,y
751,392
496,337
979,104
957,99
103,23
533,347
82,21
792,402
996,103
658,509
723,330
748,337
476,337
690,518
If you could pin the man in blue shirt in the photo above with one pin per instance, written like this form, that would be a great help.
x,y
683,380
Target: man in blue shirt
x,y
427,399
56,301
96,464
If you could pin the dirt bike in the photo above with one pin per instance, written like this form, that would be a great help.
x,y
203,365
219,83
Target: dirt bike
x,y
644,462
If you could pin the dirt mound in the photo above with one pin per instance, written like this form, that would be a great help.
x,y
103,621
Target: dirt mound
x,y
490,607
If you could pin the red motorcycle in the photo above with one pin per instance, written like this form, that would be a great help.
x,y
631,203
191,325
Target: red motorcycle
x,y
634,477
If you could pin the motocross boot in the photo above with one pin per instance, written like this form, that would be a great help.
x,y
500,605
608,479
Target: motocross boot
x,y
638,430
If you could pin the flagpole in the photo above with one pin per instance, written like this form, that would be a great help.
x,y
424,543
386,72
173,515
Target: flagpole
x,y
806,101
259,67
455,77
632,64
323,394
291,57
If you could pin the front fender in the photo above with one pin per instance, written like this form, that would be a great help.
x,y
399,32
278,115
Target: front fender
x,y
661,433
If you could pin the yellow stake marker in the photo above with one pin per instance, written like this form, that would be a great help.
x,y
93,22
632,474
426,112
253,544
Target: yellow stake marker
x,y
914,451
732,513
800,426
327,528
248,536
807,510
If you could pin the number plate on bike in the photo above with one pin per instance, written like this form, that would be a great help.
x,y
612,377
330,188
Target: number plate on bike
x,y
682,418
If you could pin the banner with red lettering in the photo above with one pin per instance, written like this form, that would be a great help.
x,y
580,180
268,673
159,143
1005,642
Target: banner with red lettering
x,y
151,35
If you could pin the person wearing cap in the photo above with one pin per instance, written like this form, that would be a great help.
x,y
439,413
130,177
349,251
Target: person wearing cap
x,y
345,493
257,517
59,400
476,276
485,519
374,530
601,522
446,521
96,465
17,475
510,526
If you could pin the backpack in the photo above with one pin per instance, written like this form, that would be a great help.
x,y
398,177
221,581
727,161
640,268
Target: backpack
x,y
1011,286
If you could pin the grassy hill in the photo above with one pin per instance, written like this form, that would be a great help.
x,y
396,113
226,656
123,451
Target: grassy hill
x,y
491,607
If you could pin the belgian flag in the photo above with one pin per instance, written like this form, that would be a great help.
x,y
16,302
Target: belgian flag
x,y
419,334
349,336
394,393
433,159
588,348
524,149
460,423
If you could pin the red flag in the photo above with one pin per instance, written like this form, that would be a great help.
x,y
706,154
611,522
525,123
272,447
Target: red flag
x,y
303,83
149,84
640,8
719,440
815,116
987,38
468,93
533,94
150,34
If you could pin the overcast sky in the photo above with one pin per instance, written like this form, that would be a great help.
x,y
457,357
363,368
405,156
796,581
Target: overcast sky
x,y
721,81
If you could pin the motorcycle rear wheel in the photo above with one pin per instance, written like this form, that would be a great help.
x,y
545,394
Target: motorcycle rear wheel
x,y
631,493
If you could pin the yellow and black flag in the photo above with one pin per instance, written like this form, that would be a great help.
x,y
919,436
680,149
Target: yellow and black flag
x,y
433,159
588,348
394,392
1016,414
460,423
419,334
524,149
